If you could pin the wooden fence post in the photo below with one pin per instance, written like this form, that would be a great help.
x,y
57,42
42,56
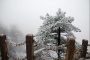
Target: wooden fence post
x,y
84,48
3,46
70,49
30,47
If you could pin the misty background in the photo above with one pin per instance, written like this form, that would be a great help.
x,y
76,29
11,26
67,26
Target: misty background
x,y
25,14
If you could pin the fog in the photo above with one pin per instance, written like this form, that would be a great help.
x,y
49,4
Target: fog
x,y
25,14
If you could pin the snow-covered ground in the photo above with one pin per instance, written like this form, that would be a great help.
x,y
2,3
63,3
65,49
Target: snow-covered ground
x,y
49,58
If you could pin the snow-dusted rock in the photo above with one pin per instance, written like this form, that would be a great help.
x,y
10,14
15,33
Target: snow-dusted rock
x,y
53,54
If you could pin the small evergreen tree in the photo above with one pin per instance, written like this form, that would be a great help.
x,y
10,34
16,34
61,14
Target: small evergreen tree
x,y
48,31
52,23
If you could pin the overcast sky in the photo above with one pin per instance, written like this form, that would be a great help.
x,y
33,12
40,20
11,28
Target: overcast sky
x,y
26,14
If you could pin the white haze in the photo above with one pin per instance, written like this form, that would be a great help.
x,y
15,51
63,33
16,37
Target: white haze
x,y
26,14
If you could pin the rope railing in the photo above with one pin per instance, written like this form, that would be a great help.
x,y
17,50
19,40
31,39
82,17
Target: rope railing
x,y
30,48
51,47
15,44
20,44
37,51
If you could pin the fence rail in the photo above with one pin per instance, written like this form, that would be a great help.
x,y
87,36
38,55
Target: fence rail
x,y
70,49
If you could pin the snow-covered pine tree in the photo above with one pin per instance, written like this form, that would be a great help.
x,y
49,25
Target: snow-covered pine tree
x,y
52,23
48,30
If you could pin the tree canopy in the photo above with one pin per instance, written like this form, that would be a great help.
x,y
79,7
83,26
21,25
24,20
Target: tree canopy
x,y
52,23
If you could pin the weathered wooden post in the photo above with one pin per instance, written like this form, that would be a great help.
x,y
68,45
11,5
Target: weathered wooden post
x,y
3,46
70,49
84,48
30,47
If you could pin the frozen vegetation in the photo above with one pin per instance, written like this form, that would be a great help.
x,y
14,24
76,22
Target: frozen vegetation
x,y
48,33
